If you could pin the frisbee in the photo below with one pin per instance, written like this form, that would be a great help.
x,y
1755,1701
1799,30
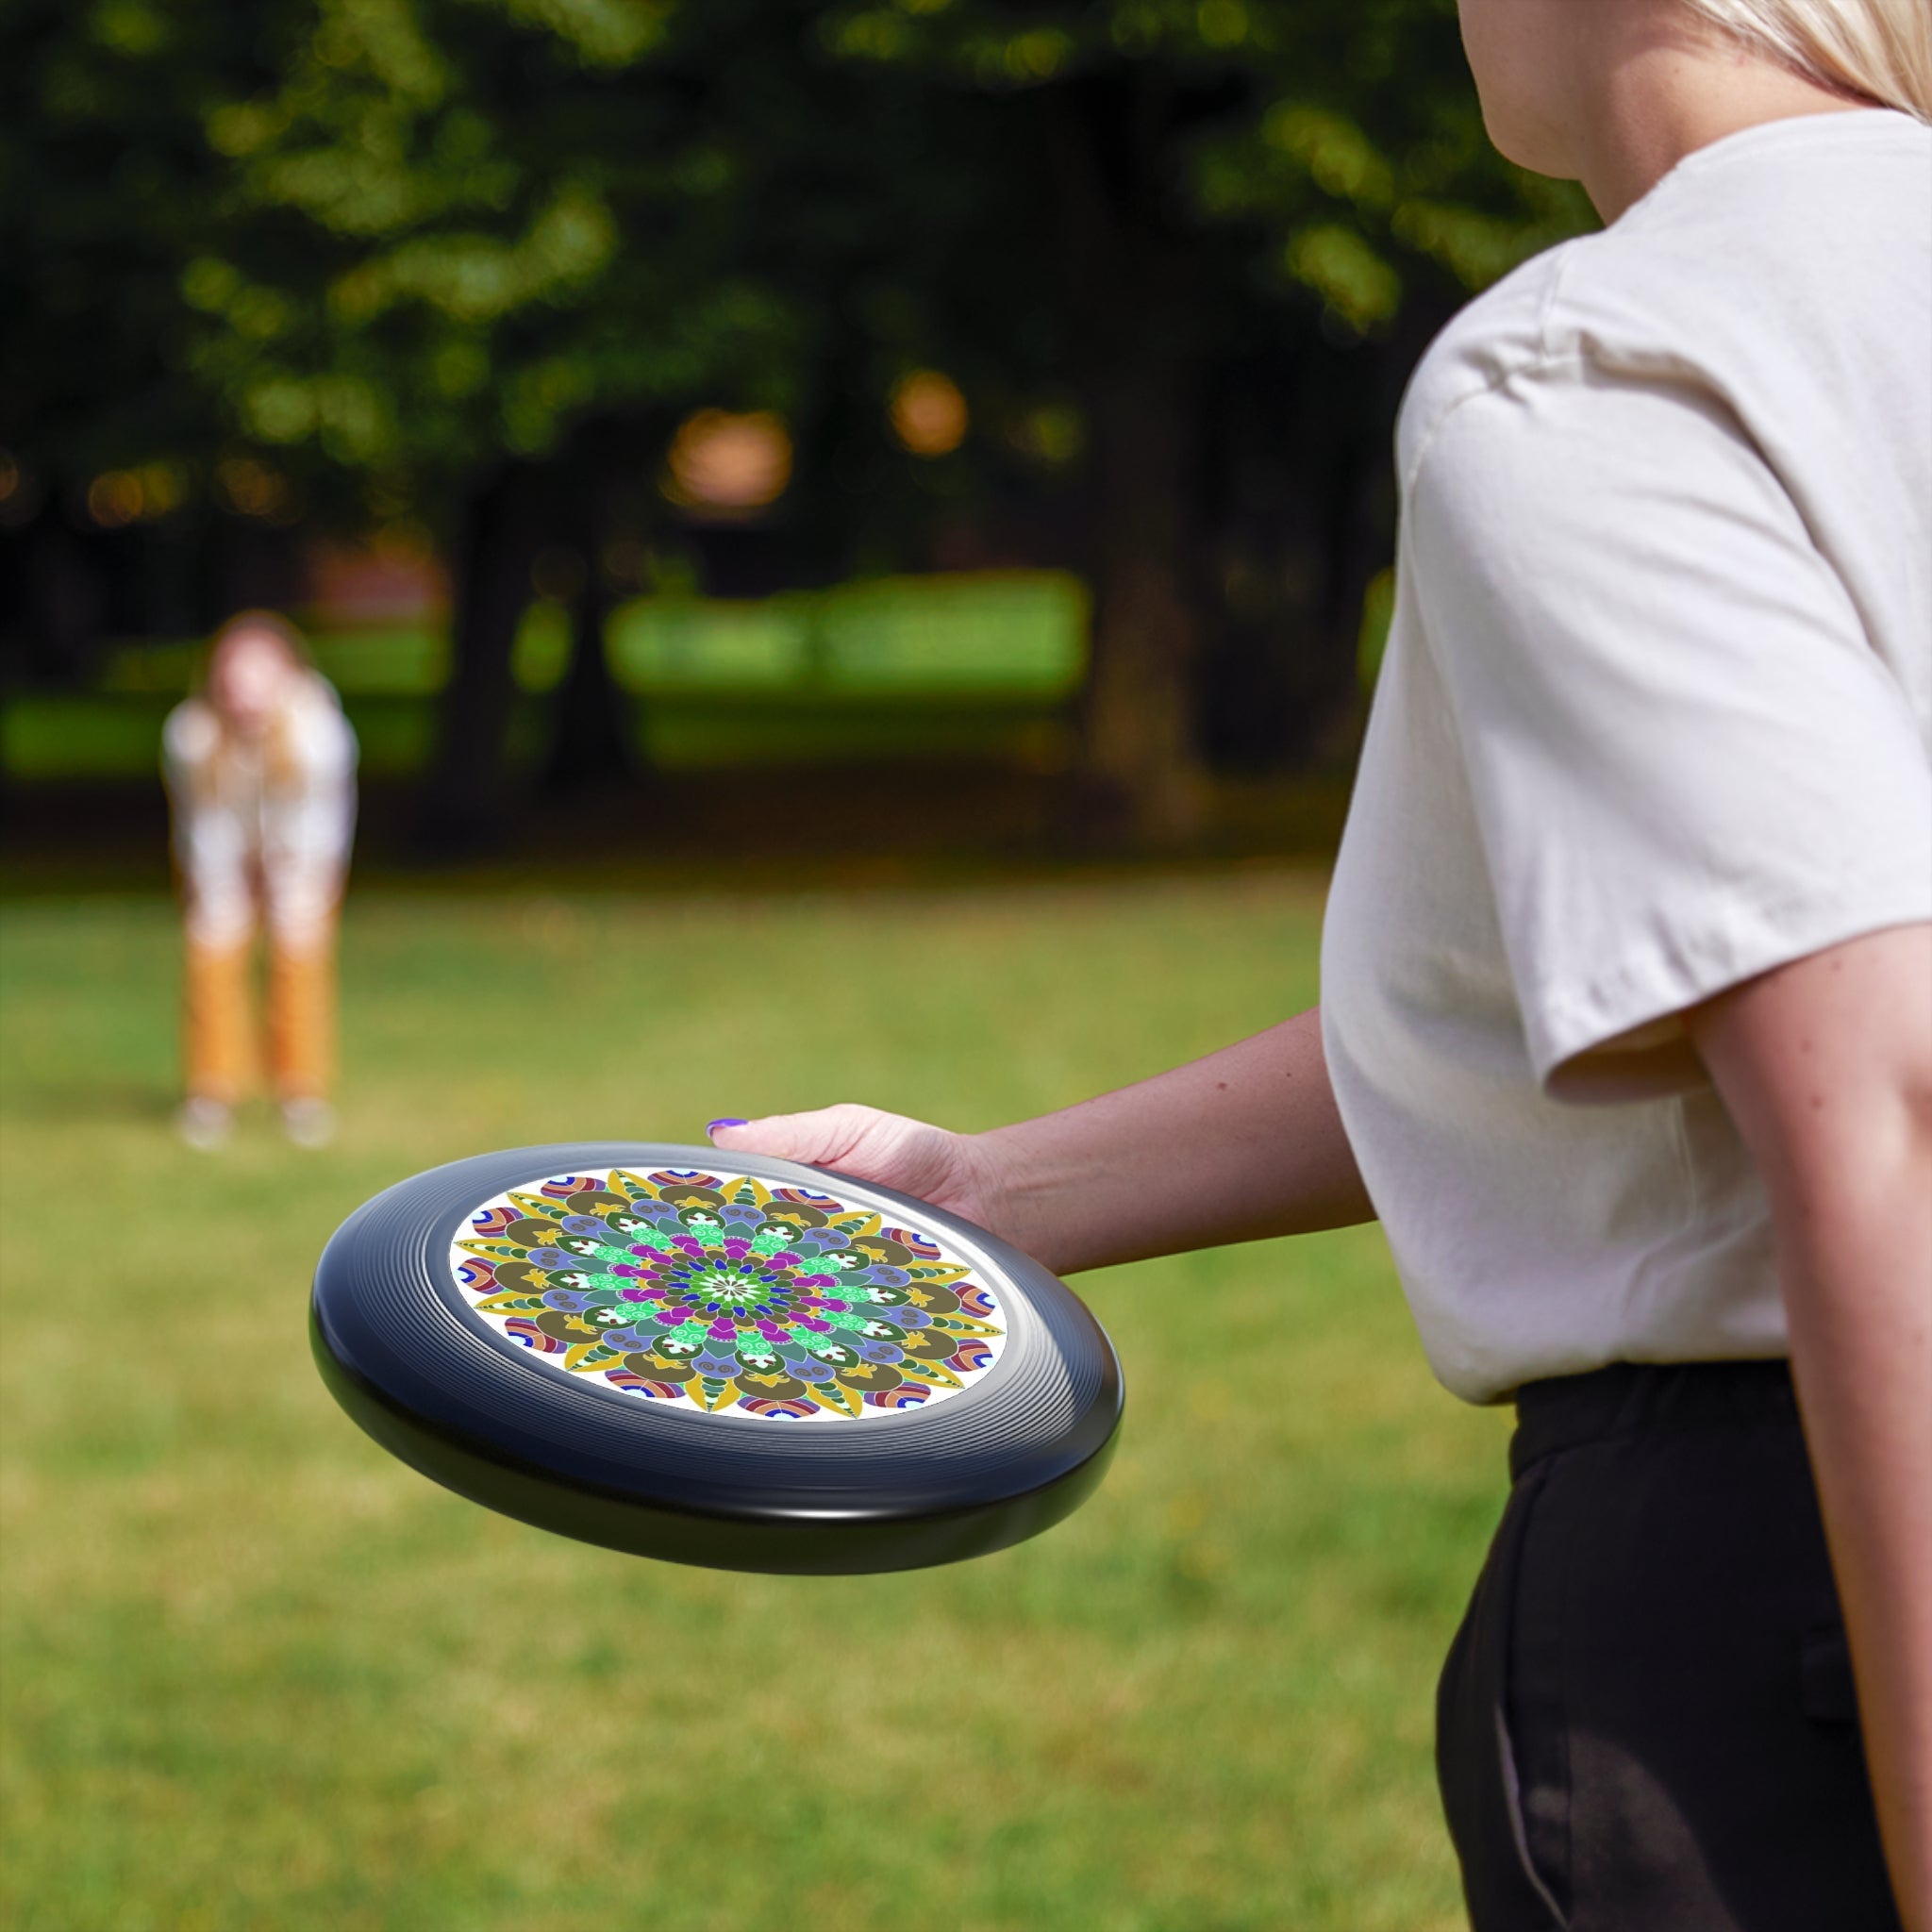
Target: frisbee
x,y
715,1358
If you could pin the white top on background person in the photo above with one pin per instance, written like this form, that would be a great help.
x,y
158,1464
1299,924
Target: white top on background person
x,y
1667,731
263,790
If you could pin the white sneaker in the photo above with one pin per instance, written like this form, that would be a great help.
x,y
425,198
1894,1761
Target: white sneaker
x,y
204,1124
308,1122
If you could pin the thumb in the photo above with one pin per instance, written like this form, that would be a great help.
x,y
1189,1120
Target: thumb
x,y
859,1140
816,1138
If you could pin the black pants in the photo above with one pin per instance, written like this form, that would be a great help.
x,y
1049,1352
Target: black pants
x,y
1646,1721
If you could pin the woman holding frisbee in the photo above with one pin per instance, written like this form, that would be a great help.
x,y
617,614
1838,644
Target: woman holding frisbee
x,y
1626,1032
261,776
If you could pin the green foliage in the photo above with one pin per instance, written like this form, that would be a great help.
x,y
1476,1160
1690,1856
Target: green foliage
x,y
1347,133
258,1675
499,239
398,238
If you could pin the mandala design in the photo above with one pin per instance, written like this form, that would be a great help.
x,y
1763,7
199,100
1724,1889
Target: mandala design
x,y
717,1291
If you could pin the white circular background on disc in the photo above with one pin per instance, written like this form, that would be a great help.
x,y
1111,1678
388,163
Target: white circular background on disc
x,y
722,1294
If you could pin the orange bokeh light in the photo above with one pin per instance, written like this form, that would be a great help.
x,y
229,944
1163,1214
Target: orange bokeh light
x,y
728,464
929,415
115,499
251,489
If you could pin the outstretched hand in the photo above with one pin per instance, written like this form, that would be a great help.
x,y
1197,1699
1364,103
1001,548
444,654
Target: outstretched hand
x,y
1239,1146
947,1169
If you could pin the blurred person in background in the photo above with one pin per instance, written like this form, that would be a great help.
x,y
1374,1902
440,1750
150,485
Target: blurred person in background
x,y
1626,1021
260,768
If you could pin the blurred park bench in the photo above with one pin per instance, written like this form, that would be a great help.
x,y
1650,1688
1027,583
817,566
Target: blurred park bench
x,y
982,665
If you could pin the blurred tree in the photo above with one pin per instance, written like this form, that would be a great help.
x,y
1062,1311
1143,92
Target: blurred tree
x,y
1235,194
514,232
528,239
469,262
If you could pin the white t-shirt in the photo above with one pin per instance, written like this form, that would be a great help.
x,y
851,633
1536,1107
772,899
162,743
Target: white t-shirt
x,y
245,830
1655,716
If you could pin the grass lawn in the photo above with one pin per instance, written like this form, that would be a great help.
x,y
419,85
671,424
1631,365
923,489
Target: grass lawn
x,y
259,1675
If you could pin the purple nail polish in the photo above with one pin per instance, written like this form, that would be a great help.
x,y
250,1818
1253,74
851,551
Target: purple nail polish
x,y
714,1125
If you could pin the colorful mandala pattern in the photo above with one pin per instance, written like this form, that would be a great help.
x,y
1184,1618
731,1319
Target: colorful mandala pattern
x,y
719,1291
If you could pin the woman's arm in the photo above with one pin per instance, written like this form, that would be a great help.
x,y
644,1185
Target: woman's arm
x,y
1244,1144
1826,1068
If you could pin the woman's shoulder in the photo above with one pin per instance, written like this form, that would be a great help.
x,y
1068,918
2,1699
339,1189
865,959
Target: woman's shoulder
x,y
316,696
1760,265
191,734
1491,339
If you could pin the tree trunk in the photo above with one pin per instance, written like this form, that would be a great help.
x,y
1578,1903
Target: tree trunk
x,y
467,800
62,601
594,745
1133,305
1140,737
590,740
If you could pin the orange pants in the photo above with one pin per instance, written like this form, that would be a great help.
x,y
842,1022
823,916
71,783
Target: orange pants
x,y
221,1045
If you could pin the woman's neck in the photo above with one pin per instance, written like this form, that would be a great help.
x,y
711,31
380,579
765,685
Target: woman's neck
x,y
1656,97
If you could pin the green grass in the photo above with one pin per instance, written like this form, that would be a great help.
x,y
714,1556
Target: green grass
x,y
259,1675
983,664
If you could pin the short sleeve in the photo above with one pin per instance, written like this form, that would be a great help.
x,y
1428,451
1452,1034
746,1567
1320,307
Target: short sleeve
x,y
1688,761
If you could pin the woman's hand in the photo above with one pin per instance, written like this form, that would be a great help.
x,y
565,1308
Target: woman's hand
x,y
1237,1147
952,1171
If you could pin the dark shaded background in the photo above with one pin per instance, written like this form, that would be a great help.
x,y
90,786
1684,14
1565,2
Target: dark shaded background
x,y
390,314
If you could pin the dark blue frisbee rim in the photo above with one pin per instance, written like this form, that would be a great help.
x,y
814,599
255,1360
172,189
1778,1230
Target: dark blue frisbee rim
x,y
468,1407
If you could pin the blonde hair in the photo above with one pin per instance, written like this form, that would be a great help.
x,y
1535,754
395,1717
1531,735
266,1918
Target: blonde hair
x,y
1879,50
257,623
